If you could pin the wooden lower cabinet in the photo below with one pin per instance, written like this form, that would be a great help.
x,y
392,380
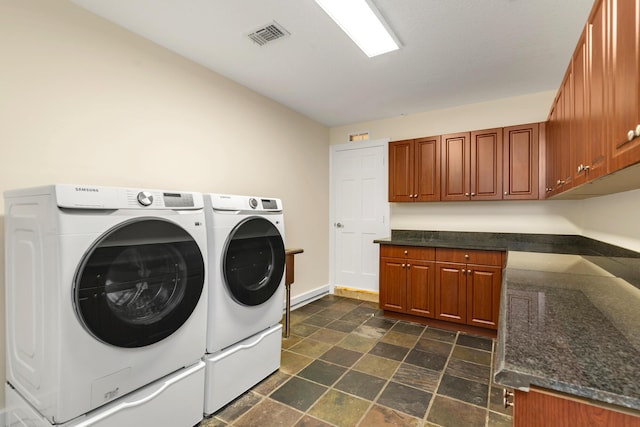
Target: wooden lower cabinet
x,y
421,288
407,276
451,295
484,284
541,408
438,284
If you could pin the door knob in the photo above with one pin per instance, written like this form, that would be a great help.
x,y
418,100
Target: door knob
x,y
339,225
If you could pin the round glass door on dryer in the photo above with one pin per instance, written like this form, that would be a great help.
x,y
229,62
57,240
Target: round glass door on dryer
x,y
139,283
253,261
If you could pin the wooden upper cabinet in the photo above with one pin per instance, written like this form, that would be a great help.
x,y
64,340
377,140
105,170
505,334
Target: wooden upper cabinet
x,y
552,152
625,82
486,165
427,169
565,170
597,136
520,162
578,164
456,154
401,171
414,170
472,165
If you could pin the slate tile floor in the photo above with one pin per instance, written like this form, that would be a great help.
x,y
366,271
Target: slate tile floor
x,y
347,365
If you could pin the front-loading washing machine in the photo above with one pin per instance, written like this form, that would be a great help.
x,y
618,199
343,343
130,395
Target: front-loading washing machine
x,y
245,237
105,292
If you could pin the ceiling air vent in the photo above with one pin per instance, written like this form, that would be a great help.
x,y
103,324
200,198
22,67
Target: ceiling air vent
x,y
268,33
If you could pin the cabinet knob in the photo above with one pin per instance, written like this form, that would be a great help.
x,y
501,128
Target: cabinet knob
x,y
580,168
469,271
415,196
464,271
408,265
631,134
404,265
466,256
506,194
466,194
406,252
638,130
411,196
473,194
507,398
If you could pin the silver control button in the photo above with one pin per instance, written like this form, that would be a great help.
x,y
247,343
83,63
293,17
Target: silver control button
x,y
253,203
145,198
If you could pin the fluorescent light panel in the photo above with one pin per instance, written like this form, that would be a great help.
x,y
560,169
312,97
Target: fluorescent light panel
x,y
362,23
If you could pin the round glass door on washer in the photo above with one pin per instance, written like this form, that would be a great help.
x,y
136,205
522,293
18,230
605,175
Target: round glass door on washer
x,y
253,261
139,283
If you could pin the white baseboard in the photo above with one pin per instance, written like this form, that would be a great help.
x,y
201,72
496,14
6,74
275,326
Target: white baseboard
x,y
309,296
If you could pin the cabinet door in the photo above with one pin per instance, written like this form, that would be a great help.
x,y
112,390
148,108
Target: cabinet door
x,y
520,162
551,151
401,171
579,146
625,81
483,295
427,169
597,139
421,288
564,167
486,165
455,153
451,292
393,289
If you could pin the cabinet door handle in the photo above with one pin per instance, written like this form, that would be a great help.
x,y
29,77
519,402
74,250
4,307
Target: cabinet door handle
x,y
507,398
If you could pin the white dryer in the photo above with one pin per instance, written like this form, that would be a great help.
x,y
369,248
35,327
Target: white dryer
x,y
105,293
245,237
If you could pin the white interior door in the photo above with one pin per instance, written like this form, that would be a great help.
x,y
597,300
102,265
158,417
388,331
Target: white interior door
x,y
360,212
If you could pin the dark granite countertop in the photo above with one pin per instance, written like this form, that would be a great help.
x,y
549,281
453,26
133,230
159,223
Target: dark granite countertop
x,y
569,315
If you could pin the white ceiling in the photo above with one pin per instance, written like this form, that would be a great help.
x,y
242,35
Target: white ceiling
x,y
454,52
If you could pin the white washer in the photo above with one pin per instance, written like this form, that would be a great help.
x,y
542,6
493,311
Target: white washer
x,y
245,237
106,293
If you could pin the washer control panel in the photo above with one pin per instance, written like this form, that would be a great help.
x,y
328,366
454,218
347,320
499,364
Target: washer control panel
x,y
145,198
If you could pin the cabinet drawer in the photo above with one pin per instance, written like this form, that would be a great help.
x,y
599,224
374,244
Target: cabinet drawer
x,y
408,252
495,258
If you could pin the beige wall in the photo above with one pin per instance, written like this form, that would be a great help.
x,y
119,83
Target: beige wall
x,y
83,101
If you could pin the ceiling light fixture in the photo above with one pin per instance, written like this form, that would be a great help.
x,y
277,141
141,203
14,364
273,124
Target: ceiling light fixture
x,y
363,23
